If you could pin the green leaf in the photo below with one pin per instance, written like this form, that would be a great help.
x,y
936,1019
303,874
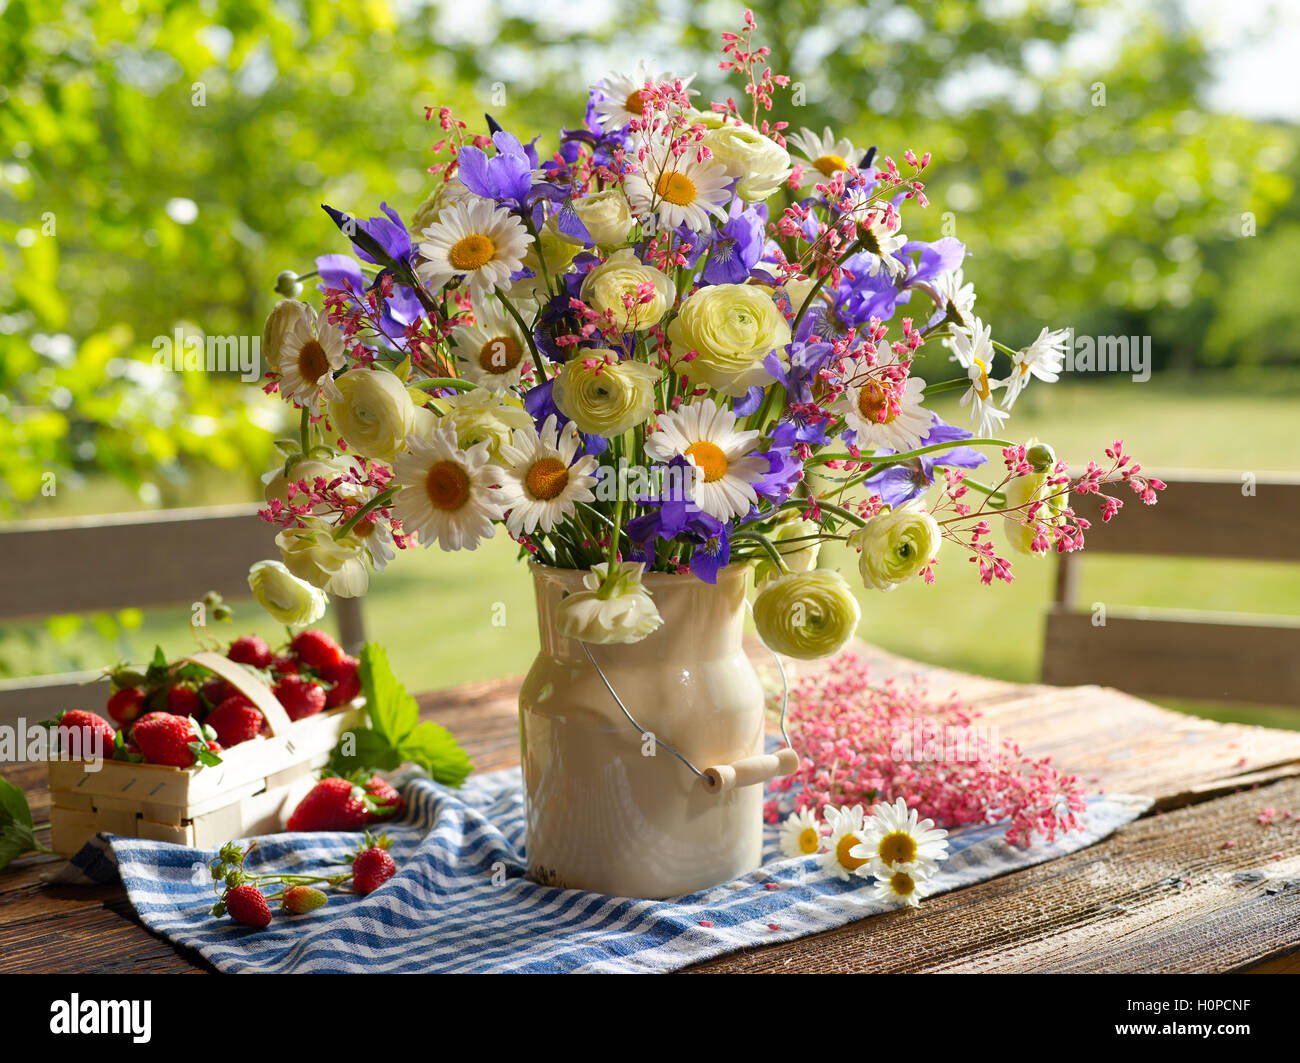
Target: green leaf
x,y
13,805
436,750
393,713
373,753
16,839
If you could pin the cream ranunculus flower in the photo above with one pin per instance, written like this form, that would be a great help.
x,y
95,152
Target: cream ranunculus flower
x,y
896,546
606,215
1023,491
800,556
604,396
760,163
374,414
336,566
618,610
806,614
732,328
478,416
606,286
288,599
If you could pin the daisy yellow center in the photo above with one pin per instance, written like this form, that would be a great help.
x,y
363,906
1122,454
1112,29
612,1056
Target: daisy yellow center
x,y
500,355
897,848
902,883
809,840
709,458
982,384
312,363
675,188
447,485
547,478
635,104
852,863
874,404
830,165
471,252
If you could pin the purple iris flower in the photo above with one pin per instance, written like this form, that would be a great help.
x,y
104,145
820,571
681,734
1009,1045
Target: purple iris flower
x,y
344,273
899,483
506,177
388,232
785,471
737,247
805,361
680,518
939,257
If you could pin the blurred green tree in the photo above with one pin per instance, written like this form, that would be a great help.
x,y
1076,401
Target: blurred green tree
x,y
162,161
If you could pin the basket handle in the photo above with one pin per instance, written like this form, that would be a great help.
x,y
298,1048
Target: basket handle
x,y
277,720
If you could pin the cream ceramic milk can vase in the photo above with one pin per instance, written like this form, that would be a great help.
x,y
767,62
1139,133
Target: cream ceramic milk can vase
x,y
643,762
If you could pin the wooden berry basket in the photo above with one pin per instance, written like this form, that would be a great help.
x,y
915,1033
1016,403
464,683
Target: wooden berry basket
x,y
252,791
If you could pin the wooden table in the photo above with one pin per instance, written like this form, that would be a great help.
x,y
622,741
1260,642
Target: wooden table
x,y
1164,894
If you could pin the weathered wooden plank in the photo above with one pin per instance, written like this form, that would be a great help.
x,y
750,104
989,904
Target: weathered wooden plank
x,y
1234,517
1210,656
110,562
1161,895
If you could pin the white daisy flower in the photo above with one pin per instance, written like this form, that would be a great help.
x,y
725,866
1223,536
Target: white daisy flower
x,y
309,353
895,836
621,99
705,435
491,352
480,241
447,495
821,157
880,240
972,347
1042,358
958,296
678,189
542,482
878,423
838,859
901,884
800,834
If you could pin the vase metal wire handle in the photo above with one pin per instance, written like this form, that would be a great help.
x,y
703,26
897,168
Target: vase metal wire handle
x,y
722,777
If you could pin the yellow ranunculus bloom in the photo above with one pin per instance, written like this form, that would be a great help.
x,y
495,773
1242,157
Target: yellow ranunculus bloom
x,y
806,614
896,546
732,328
604,396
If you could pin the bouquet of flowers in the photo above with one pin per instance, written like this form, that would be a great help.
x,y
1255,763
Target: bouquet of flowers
x,y
685,339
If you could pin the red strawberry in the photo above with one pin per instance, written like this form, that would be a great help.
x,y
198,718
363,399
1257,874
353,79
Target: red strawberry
x,y
125,705
247,904
286,665
165,739
388,800
300,697
250,650
332,804
236,720
85,735
184,701
216,690
373,865
316,649
346,680
303,899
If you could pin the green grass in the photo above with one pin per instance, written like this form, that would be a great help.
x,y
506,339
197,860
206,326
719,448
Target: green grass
x,y
447,619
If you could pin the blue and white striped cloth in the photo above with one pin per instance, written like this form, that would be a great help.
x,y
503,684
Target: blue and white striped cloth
x,y
460,901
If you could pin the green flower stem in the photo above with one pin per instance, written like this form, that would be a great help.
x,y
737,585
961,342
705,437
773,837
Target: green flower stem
x,y
821,281
528,335
946,385
445,382
1004,349
304,430
894,459
381,499
766,544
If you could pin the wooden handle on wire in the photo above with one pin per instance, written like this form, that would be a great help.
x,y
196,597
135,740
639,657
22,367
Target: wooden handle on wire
x,y
723,777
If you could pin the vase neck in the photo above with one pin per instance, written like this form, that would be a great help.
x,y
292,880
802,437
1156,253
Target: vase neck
x,y
700,620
